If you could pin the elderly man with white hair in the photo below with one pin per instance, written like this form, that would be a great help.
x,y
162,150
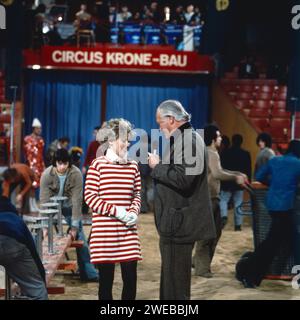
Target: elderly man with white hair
x,y
183,212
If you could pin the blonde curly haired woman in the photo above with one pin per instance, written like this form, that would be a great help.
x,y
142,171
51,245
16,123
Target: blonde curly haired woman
x,y
112,191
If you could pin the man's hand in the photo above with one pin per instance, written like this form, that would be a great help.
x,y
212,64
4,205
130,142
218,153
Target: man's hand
x,y
83,170
19,198
73,232
240,179
153,160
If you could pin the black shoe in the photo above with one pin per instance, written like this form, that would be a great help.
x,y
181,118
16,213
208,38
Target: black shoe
x,y
237,228
248,284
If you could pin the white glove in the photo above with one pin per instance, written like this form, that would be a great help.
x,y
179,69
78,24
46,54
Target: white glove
x,y
131,218
121,214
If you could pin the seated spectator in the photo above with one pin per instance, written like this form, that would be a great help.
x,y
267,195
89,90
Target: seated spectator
x,y
76,153
61,143
190,15
18,253
124,15
83,18
178,17
21,175
65,179
112,14
247,69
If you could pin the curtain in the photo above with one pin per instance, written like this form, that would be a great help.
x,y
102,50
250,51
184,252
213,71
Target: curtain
x,y
136,97
67,103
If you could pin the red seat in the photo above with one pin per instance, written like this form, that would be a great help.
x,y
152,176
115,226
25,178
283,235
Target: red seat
x,y
260,123
280,123
259,113
241,82
265,88
261,82
279,105
246,88
282,89
241,104
262,104
281,113
244,96
246,111
280,96
264,96
279,134
297,129
5,118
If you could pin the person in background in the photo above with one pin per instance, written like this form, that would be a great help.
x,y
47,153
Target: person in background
x,y
284,175
264,142
190,16
18,254
83,18
178,17
75,154
205,249
65,179
61,143
225,144
124,15
112,191
34,151
234,159
20,174
91,152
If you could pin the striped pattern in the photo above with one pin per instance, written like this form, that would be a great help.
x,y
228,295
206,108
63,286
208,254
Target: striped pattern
x,y
108,186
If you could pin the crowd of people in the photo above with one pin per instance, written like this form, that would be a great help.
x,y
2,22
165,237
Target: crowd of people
x,y
43,22
191,197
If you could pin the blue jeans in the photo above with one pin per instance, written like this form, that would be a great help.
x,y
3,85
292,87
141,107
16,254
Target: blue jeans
x,y
86,268
237,197
20,266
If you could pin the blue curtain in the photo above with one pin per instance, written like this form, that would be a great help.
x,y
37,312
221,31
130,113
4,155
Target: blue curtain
x,y
66,103
136,97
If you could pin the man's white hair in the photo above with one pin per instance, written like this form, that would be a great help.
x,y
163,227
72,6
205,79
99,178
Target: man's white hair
x,y
173,108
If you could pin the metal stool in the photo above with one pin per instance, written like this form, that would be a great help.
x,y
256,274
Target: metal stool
x,y
60,201
50,213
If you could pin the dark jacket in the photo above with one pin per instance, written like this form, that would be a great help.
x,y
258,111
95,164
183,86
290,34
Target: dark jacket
x,y
285,174
11,225
182,203
235,159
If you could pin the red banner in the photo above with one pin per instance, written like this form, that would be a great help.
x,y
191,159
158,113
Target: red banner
x,y
125,58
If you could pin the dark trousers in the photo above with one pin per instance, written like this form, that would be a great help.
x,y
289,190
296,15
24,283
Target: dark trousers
x,y
106,279
280,235
205,249
176,264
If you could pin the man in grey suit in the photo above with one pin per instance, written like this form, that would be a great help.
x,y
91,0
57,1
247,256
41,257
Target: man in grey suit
x,y
182,205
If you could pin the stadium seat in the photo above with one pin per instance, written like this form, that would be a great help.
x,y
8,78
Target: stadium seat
x,y
280,96
261,82
229,87
259,113
246,88
282,89
244,96
262,104
241,82
279,134
297,129
280,123
260,123
279,105
266,88
281,113
264,96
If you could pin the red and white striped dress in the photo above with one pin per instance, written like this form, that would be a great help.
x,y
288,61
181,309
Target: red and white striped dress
x,y
107,186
